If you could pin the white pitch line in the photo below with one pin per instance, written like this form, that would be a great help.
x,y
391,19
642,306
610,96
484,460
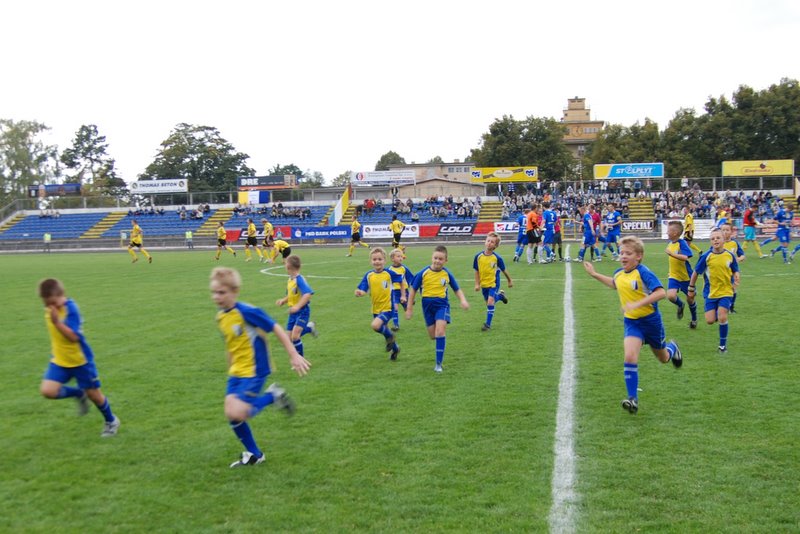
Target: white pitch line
x,y
565,497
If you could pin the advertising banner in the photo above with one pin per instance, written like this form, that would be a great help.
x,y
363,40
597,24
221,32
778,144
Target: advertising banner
x,y
702,229
322,232
54,190
379,231
494,175
456,229
149,187
775,167
398,177
637,226
261,183
506,227
603,171
279,232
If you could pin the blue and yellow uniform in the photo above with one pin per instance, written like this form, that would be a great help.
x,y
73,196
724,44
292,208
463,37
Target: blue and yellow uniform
x,y
296,287
70,359
489,267
406,279
717,269
432,286
379,286
722,218
243,328
734,248
679,271
643,322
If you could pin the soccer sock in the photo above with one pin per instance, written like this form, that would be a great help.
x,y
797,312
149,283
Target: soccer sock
x,y
733,300
784,250
632,379
146,254
440,344
69,391
229,249
518,251
758,247
694,247
489,314
693,310
548,251
259,253
796,248
581,254
216,257
560,255
671,347
245,435
396,315
247,253
678,302
386,332
363,244
723,334
766,241
298,345
596,252
132,253
105,409
351,249
530,255
261,402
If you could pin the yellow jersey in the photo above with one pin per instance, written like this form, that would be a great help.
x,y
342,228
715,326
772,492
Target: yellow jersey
x,y
379,287
634,285
244,328
679,270
136,234
64,352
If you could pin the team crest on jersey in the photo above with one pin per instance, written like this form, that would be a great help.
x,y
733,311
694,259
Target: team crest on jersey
x,y
443,281
237,330
635,285
493,265
385,284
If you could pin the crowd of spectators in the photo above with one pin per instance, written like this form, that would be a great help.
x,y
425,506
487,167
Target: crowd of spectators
x,y
49,214
436,206
140,211
276,211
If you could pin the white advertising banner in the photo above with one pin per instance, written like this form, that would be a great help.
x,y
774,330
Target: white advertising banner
x,y
702,228
506,227
148,187
398,177
379,231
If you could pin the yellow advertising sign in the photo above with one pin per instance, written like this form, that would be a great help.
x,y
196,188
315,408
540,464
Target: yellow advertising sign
x,y
494,175
772,167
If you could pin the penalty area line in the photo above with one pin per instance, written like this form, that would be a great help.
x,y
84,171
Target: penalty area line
x,y
565,497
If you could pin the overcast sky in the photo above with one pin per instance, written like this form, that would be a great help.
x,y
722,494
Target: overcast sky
x,y
331,86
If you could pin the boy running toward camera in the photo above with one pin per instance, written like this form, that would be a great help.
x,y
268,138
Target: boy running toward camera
x,y
378,282
488,265
399,289
298,298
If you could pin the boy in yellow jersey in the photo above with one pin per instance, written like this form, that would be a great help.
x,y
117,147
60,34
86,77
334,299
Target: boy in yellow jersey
x,y
680,270
298,298
431,282
732,246
639,291
136,241
397,227
355,237
222,242
71,357
244,329
720,272
688,229
488,265
378,283
278,246
399,289
252,241
268,238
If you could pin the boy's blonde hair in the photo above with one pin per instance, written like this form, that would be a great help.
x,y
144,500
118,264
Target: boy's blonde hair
x,y
396,252
377,250
294,262
50,287
494,235
634,242
227,277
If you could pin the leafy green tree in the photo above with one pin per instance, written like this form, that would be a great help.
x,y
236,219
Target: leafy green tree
x,y
436,159
90,164
24,159
343,180
531,141
390,158
200,155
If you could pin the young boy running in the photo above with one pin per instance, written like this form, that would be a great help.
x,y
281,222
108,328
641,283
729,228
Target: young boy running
x,y
378,283
720,272
244,328
399,289
222,242
680,271
298,298
431,282
71,357
639,291
488,265
734,248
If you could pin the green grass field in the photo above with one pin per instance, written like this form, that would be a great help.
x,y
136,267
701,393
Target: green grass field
x,y
380,446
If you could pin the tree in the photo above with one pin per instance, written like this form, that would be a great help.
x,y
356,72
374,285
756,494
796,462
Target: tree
x,y
343,180
436,159
24,159
91,165
390,158
200,155
532,141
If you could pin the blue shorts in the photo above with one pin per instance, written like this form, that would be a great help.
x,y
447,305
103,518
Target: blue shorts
x,y
396,293
749,233
383,316
548,237
612,237
522,239
435,310
489,292
589,240
298,319
715,304
677,284
649,329
782,234
85,375
245,389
